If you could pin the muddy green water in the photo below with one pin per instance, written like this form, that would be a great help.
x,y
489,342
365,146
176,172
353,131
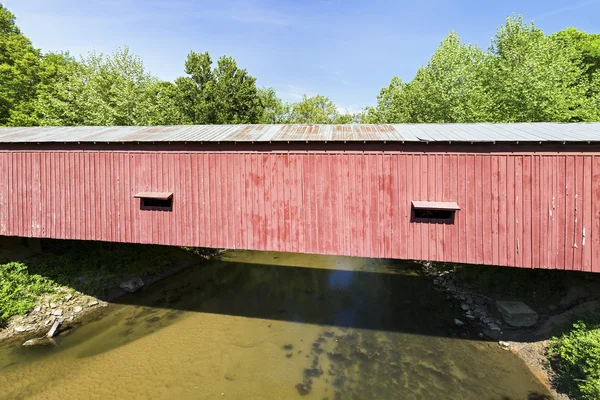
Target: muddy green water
x,y
273,326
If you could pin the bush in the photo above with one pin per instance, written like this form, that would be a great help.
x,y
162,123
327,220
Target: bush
x,y
19,289
577,357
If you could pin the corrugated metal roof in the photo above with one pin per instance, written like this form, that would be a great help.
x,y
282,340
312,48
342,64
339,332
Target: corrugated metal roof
x,y
485,132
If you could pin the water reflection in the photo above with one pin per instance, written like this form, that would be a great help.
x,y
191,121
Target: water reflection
x,y
273,326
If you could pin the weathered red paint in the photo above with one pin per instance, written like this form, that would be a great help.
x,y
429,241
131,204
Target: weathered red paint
x,y
533,209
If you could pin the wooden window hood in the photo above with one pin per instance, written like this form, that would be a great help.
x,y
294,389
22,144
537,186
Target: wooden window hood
x,y
154,195
435,205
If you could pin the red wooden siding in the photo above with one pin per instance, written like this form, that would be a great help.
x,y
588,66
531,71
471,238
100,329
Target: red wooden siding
x,y
527,210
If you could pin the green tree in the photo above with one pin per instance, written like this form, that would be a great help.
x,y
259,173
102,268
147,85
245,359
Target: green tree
x,y
314,110
450,88
586,45
51,105
19,63
533,78
100,90
225,94
274,110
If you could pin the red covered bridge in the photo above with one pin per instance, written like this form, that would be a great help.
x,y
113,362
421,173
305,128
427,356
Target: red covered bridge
x,y
525,195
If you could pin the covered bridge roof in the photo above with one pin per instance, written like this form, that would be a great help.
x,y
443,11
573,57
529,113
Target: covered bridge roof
x,y
480,132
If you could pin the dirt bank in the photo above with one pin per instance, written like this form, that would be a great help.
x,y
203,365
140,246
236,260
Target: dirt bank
x,y
75,307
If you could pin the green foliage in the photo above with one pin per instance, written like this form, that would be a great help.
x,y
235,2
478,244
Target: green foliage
x,y
19,289
89,267
222,95
577,353
317,110
525,76
274,111
19,63
586,46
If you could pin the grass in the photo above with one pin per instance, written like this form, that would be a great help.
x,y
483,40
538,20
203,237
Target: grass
x,y
92,268
19,289
575,356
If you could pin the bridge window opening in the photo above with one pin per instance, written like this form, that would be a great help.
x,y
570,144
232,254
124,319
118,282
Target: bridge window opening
x,y
435,212
155,201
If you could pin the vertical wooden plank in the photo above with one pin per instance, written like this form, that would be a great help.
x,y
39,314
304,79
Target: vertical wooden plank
x,y
412,193
519,211
527,212
569,226
294,199
577,213
424,194
333,190
462,179
586,201
361,199
561,212
545,211
556,161
436,233
353,203
4,188
246,201
487,209
595,226
398,192
495,215
388,228
375,195
285,193
275,202
536,212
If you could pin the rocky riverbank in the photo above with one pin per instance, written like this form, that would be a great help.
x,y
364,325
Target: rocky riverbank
x,y
482,308
72,306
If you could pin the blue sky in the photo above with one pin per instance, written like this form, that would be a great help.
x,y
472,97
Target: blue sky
x,y
344,49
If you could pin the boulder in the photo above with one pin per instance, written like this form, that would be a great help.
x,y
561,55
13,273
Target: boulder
x,y
517,313
132,285
77,309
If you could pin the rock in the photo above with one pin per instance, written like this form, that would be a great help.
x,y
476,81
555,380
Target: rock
x,y
458,322
37,309
44,341
77,309
57,313
68,297
480,335
132,285
52,305
494,327
464,306
552,307
93,303
23,328
49,321
517,313
503,344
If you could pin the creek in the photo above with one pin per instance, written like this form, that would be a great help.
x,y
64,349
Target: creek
x,y
259,325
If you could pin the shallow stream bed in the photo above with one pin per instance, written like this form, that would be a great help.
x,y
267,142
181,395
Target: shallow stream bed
x,y
258,325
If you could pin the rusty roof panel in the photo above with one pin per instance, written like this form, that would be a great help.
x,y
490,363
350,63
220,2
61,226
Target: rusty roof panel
x,y
485,132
